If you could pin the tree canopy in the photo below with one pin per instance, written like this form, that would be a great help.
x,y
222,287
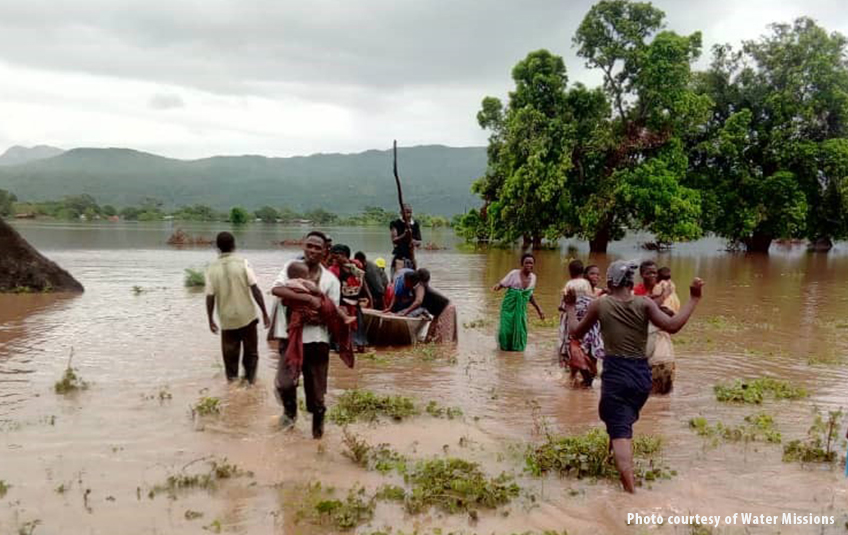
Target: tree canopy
x,y
594,162
772,160
752,149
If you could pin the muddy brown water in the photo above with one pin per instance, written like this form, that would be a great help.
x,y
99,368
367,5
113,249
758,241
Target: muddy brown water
x,y
785,316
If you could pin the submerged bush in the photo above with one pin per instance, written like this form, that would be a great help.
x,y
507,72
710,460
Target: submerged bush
x,y
588,455
456,485
70,382
754,391
437,411
821,443
757,427
194,278
320,508
206,406
363,405
381,457
208,480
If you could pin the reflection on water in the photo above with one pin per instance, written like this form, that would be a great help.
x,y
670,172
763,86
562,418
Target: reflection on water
x,y
762,316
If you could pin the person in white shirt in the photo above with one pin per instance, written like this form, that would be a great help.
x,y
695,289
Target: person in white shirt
x,y
316,338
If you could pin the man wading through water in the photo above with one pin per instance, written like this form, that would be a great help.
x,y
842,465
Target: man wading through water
x,y
316,338
626,377
231,284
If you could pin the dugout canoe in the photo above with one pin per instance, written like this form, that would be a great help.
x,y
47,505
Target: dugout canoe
x,y
383,329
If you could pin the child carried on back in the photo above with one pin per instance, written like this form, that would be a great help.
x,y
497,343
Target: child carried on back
x,y
300,315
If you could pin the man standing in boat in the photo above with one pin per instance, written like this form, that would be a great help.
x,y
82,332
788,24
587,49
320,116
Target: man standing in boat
x,y
316,338
406,237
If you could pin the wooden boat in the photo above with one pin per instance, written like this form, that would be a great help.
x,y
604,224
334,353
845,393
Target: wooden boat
x,y
383,329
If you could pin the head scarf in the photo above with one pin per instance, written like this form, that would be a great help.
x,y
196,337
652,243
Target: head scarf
x,y
621,273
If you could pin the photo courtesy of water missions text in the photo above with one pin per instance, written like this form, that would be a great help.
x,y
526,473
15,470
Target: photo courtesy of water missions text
x,y
744,519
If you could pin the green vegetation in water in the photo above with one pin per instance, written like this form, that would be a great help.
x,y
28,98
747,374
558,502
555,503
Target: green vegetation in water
x,y
450,484
320,508
391,493
374,357
757,428
28,528
380,458
4,488
364,405
831,358
437,411
456,485
206,406
194,278
547,323
70,382
477,324
218,470
214,527
239,216
588,456
137,290
820,445
754,391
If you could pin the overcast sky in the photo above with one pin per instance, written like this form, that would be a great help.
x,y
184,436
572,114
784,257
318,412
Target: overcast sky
x,y
193,78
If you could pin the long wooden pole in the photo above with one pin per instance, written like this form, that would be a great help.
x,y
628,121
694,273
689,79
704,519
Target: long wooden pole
x,y
400,203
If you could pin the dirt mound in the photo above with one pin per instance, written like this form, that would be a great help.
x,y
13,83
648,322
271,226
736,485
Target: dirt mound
x,y
22,268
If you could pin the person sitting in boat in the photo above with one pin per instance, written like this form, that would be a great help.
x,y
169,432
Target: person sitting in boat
x,y
404,290
431,302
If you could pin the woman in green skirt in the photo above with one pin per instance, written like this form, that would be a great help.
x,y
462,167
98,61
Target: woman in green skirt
x,y
519,284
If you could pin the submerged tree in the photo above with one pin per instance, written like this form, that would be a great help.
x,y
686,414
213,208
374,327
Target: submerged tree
x,y
636,157
591,163
239,216
773,160
524,187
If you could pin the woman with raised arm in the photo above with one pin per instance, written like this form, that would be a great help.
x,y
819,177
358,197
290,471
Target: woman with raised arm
x,y
626,380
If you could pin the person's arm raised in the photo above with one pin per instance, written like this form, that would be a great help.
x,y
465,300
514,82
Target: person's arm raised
x,y
674,323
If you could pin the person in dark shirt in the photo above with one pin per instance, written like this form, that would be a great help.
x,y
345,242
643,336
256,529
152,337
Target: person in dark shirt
x,y
375,278
430,301
406,236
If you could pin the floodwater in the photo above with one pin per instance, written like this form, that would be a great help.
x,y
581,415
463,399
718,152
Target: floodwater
x,y
783,316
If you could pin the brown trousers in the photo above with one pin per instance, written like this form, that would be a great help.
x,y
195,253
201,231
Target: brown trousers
x,y
316,363
232,341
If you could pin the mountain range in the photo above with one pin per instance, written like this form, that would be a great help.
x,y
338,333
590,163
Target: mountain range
x,y
436,179
18,155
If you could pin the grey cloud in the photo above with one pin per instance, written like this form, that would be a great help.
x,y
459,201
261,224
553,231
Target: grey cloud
x,y
163,101
363,48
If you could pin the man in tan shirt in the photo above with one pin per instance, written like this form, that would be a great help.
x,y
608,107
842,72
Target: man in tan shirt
x,y
231,283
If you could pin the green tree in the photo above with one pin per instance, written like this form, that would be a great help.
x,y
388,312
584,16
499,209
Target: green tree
x,y
267,214
529,146
319,216
630,163
109,210
772,161
239,216
7,201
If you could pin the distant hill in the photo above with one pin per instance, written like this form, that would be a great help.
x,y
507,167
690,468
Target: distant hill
x,y
18,155
436,179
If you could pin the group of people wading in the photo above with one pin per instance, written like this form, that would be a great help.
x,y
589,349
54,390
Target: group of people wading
x,y
627,326
320,299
